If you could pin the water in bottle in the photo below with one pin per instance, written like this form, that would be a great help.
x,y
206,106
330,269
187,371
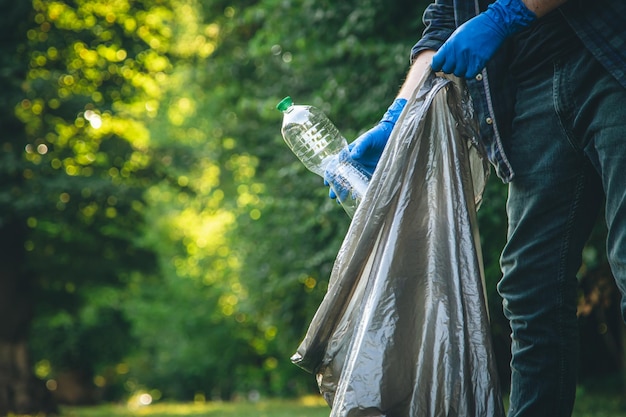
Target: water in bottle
x,y
315,140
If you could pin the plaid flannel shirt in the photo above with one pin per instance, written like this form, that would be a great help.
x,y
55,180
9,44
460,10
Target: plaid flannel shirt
x,y
600,24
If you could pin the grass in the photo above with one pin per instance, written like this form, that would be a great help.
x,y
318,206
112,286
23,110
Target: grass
x,y
305,407
587,405
599,405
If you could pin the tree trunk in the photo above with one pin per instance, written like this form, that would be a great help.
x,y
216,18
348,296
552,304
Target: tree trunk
x,y
20,391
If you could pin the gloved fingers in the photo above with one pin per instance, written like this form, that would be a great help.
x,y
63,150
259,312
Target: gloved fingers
x,y
331,192
438,59
448,66
344,155
341,194
447,58
360,146
460,61
338,188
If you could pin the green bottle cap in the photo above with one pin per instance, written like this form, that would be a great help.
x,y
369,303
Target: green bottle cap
x,y
284,104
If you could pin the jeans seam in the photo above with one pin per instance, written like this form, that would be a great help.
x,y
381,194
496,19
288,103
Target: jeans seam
x,y
562,282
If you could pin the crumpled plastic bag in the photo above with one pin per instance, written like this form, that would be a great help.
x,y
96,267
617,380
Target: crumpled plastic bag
x,y
403,330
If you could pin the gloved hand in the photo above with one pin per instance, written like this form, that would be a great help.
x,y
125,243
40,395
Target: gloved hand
x,y
338,187
475,42
367,149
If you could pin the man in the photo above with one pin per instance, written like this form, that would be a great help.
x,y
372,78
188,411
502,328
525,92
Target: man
x,y
548,82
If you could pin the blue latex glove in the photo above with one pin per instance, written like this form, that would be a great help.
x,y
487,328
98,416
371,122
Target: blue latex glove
x,y
475,42
338,190
366,150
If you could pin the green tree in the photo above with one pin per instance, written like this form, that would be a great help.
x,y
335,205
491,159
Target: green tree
x,y
288,235
18,388
246,246
86,78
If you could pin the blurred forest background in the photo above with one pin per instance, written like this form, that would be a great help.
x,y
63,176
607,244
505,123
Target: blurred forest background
x,y
156,234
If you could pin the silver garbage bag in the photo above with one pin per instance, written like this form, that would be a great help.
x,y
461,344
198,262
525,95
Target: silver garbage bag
x,y
403,330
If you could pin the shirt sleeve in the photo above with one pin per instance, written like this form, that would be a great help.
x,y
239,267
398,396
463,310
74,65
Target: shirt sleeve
x,y
439,19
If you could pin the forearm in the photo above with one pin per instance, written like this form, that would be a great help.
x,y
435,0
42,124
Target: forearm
x,y
419,70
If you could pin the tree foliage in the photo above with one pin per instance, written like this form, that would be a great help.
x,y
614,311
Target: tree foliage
x,y
258,288
96,76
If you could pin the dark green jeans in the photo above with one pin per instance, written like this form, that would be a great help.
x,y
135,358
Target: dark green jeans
x,y
568,150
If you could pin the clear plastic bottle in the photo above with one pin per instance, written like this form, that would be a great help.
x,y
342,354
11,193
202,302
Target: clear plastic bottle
x,y
315,140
